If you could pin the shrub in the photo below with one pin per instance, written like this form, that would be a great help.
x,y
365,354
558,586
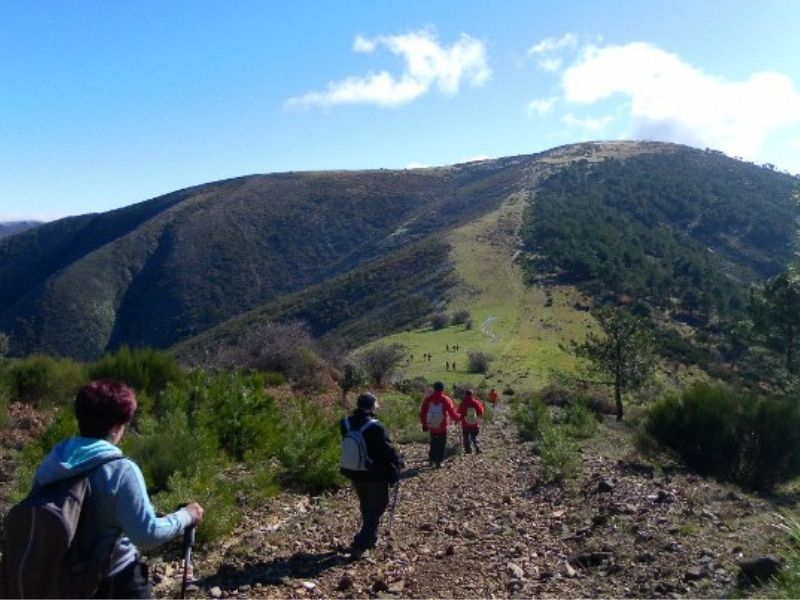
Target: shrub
x,y
309,454
460,317
478,362
560,459
216,495
399,412
241,414
439,321
4,345
146,370
63,425
787,583
531,417
286,348
3,407
579,419
381,361
43,380
167,446
734,435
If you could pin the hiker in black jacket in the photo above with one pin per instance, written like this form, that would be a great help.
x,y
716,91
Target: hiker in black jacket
x,y
371,462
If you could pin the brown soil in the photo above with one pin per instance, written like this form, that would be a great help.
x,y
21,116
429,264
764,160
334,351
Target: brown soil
x,y
483,526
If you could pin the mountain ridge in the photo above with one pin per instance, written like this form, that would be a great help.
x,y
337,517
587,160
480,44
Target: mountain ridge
x,y
165,270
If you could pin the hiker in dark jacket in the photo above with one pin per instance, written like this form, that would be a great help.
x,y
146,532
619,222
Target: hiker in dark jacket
x,y
378,470
118,514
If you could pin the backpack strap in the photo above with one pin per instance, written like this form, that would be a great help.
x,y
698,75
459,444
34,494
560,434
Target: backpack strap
x,y
367,425
346,422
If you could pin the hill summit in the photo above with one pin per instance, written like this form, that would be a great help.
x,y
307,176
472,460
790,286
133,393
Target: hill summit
x,y
366,253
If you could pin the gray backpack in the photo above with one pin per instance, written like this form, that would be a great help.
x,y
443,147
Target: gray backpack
x,y
354,449
39,558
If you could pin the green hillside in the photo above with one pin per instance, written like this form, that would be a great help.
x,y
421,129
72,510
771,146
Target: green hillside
x,y
364,254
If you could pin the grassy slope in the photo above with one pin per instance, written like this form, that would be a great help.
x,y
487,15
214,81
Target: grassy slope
x,y
510,321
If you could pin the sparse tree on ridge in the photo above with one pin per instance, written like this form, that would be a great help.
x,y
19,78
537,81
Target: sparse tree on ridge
x,y
382,360
623,355
348,378
775,309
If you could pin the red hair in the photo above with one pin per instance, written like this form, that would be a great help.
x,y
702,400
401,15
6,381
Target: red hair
x,y
102,404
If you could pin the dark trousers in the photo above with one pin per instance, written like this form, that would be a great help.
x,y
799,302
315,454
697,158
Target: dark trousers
x,y
470,437
131,582
373,498
437,447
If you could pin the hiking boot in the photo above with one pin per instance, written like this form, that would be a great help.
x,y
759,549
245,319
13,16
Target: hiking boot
x,y
478,450
357,552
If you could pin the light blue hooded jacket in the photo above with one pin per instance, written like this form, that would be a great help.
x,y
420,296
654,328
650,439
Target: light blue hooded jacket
x,y
119,508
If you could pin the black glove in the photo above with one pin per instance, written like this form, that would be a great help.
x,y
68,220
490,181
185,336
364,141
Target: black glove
x,y
425,428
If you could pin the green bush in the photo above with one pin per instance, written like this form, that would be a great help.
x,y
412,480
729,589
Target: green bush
x,y
579,419
43,380
64,425
439,321
400,414
531,416
3,406
310,451
213,491
241,414
478,362
738,436
787,582
166,446
559,455
460,317
146,370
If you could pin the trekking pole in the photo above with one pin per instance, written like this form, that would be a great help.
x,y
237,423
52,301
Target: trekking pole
x,y
395,498
188,542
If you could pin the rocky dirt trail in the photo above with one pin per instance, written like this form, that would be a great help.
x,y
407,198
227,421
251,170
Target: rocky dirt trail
x,y
483,527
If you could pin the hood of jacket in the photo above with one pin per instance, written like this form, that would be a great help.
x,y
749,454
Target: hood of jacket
x,y
74,456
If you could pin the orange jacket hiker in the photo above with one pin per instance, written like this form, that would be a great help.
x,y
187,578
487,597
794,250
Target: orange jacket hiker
x,y
441,410
470,419
493,397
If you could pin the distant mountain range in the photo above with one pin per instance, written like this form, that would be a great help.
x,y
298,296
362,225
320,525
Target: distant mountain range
x,y
360,254
12,227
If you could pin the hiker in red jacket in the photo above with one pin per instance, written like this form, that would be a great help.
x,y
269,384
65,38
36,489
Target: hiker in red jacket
x,y
471,411
493,397
435,414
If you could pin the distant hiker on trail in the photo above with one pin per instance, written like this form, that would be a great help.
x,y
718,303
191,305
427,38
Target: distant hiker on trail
x,y
471,411
435,414
373,465
115,514
447,347
454,365
446,365
493,397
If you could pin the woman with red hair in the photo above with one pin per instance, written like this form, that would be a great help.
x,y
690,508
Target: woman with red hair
x,y
117,517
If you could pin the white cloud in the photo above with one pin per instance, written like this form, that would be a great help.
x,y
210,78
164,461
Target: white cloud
x,y
551,44
551,65
362,44
542,106
588,123
416,165
476,158
30,215
671,100
427,64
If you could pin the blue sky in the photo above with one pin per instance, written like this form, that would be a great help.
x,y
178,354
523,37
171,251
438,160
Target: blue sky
x,y
103,104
